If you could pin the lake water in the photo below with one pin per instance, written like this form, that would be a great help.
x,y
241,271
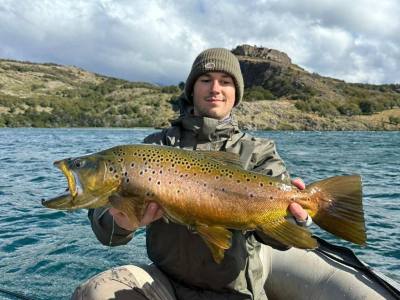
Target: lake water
x,y
45,254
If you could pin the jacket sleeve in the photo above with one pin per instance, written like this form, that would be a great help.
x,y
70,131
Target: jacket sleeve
x,y
102,222
266,160
104,226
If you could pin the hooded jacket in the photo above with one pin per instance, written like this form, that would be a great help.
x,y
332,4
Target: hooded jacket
x,y
181,253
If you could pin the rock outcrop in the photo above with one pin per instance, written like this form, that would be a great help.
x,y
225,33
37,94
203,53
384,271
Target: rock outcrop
x,y
260,64
262,53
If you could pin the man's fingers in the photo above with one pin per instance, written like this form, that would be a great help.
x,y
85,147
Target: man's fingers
x,y
116,212
298,212
153,212
299,183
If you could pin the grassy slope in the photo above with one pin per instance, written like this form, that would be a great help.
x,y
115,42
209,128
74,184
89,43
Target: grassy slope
x,y
49,95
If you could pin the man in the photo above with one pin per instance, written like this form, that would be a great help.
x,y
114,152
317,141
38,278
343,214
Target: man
x,y
183,267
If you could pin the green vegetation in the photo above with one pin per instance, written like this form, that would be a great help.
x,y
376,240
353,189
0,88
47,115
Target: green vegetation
x,y
355,99
49,95
257,93
394,120
55,96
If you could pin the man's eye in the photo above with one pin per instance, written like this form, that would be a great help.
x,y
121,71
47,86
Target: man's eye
x,y
227,82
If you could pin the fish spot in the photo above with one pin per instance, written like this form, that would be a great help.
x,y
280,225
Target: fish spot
x,y
272,198
238,181
270,183
251,195
141,173
149,178
248,179
223,189
261,184
126,173
111,169
127,180
132,165
158,182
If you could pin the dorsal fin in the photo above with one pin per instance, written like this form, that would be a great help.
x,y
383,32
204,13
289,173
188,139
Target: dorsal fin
x,y
222,157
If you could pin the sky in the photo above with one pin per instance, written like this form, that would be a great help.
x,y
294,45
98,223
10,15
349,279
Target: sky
x,y
157,40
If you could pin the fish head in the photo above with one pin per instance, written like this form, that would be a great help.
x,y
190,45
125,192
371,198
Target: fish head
x,y
89,184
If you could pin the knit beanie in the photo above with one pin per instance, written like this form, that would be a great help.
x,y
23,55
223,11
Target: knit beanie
x,y
215,60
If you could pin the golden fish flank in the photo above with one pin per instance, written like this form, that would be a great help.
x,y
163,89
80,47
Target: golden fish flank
x,y
210,192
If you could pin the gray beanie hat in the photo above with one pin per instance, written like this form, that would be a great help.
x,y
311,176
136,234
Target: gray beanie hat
x,y
215,60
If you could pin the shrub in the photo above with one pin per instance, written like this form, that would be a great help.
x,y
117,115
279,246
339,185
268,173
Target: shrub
x,y
257,93
170,89
394,120
349,109
369,106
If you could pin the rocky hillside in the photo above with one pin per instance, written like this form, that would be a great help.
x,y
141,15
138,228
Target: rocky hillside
x,y
279,95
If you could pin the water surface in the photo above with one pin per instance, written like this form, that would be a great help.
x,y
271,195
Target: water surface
x,y
45,254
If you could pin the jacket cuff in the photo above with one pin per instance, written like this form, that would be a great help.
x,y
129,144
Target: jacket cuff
x,y
103,226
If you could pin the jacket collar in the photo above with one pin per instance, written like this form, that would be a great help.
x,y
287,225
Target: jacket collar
x,y
204,128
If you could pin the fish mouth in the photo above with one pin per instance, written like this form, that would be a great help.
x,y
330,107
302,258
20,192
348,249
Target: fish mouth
x,y
66,200
72,179
77,196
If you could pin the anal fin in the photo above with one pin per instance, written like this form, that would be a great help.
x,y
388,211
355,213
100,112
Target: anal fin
x,y
289,234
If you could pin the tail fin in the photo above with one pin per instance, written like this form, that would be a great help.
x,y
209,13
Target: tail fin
x,y
340,208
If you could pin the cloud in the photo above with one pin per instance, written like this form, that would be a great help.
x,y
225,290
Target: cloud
x,y
156,41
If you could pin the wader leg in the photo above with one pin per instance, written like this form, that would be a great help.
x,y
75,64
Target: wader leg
x,y
303,274
126,282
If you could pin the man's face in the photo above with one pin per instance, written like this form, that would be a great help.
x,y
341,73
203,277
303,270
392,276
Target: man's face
x,y
214,95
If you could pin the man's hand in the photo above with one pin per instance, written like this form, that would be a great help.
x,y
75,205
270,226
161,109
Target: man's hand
x,y
153,212
295,209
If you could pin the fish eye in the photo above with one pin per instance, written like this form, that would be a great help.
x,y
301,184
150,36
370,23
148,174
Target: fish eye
x,y
78,163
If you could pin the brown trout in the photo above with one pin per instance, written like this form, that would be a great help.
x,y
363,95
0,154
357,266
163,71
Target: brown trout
x,y
210,192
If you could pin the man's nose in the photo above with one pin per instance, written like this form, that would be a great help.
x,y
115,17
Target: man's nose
x,y
215,86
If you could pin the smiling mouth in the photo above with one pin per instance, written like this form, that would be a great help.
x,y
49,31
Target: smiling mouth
x,y
215,100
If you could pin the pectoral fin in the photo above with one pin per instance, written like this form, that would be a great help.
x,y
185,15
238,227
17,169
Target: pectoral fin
x,y
289,234
218,239
131,205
